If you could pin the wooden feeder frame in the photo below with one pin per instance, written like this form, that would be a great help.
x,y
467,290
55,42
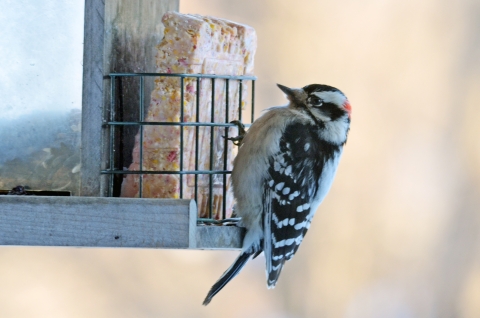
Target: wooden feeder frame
x,y
92,219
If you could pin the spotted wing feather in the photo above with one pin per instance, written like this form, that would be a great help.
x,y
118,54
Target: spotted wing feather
x,y
291,194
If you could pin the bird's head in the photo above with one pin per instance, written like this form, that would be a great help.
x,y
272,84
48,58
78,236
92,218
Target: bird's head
x,y
325,102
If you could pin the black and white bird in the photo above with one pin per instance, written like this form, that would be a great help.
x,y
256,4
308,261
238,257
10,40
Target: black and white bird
x,y
284,169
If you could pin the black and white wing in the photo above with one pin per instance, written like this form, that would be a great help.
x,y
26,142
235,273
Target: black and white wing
x,y
300,175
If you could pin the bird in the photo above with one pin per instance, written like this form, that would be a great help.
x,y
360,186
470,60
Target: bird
x,y
284,168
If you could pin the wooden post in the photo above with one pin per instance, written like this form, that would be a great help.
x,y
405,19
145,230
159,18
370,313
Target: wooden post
x,y
92,98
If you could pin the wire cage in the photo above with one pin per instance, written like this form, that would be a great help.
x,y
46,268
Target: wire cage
x,y
125,123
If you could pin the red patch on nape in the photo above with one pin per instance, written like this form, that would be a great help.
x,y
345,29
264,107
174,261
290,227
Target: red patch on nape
x,y
348,107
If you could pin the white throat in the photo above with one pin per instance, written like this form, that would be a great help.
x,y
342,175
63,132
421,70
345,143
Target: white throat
x,y
336,131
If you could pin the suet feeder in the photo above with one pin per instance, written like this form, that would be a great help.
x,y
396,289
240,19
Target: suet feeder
x,y
112,154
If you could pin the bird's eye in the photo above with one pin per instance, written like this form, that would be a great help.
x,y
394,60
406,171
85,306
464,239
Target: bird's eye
x,y
315,101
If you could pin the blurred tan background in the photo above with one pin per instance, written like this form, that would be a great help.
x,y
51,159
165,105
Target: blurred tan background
x,y
399,234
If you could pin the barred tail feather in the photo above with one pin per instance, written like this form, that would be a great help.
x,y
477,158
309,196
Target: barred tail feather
x,y
272,276
228,275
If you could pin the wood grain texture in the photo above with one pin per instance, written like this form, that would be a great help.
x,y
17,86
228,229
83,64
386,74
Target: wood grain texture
x,y
92,97
95,222
219,237
109,222
132,30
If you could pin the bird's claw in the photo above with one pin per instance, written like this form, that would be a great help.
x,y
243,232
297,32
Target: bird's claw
x,y
237,141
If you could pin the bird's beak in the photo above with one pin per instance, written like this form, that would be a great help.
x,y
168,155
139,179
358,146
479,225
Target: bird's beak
x,y
286,90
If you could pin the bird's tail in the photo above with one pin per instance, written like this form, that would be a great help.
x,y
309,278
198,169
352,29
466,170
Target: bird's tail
x,y
230,273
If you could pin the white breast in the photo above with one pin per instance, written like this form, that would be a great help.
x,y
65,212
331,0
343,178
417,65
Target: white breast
x,y
325,183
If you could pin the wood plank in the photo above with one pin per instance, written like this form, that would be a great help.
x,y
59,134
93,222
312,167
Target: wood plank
x,y
96,222
110,222
92,97
219,237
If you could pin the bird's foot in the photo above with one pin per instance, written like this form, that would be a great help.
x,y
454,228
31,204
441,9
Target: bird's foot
x,y
235,221
237,141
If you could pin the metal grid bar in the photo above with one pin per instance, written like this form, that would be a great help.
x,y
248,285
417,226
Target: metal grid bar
x,y
167,172
111,132
142,87
197,114
240,88
225,153
253,103
162,123
112,122
210,176
181,133
231,77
